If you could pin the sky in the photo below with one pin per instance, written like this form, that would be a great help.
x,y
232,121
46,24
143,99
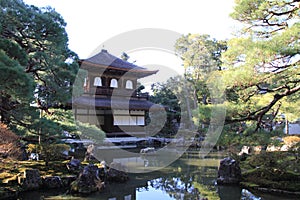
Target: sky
x,y
93,24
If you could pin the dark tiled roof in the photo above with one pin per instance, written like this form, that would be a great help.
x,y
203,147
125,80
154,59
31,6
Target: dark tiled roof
x,y
104,58
86,101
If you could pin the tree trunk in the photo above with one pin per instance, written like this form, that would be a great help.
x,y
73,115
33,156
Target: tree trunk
x,y
286,126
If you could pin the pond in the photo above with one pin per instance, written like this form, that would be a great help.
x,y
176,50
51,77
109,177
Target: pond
x,y
189,177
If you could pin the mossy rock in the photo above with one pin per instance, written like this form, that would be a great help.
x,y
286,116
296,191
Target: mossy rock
x,y
267,179
286,176
271,174
272,170
77,187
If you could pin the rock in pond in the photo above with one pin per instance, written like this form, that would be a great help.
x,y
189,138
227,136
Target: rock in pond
x,y
229,172
88,181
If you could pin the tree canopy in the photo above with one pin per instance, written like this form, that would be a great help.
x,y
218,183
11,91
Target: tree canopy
x,y
262,64
35,62
200,55
259,68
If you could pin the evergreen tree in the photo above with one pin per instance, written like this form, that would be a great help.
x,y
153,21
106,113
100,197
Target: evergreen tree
x,y
35,62
201,56
262,63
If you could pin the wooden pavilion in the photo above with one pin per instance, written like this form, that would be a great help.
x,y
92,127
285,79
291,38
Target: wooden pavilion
x,y
111,99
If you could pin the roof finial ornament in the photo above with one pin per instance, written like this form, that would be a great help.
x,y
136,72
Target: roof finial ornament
x,y
103,49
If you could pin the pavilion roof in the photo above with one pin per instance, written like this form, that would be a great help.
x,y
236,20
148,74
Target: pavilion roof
x,y
104,60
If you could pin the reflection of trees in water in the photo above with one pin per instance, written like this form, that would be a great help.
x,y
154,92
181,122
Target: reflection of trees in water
x,y
175,187
185,181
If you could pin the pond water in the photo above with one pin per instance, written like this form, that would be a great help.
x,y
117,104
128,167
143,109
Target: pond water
x,y
187,178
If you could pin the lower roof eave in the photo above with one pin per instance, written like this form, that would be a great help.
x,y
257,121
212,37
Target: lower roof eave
x,y
104,103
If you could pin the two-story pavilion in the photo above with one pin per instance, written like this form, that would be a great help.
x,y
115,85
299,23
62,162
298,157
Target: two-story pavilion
x,y
111,99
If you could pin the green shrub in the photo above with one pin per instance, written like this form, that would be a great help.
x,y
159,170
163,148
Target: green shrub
x,y
53,152
91,132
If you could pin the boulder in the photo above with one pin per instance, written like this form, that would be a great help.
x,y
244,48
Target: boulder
x,y
229,172
67,180
88,181
272,148
102,172
89,154
258,149
74,165
52,182
148,150
31,180
285,147
245,150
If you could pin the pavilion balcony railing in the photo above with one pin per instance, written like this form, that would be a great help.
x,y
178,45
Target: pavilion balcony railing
x,y
101,91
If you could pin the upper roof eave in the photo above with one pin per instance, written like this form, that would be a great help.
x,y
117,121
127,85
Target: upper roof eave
x,y
104,60
87,64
